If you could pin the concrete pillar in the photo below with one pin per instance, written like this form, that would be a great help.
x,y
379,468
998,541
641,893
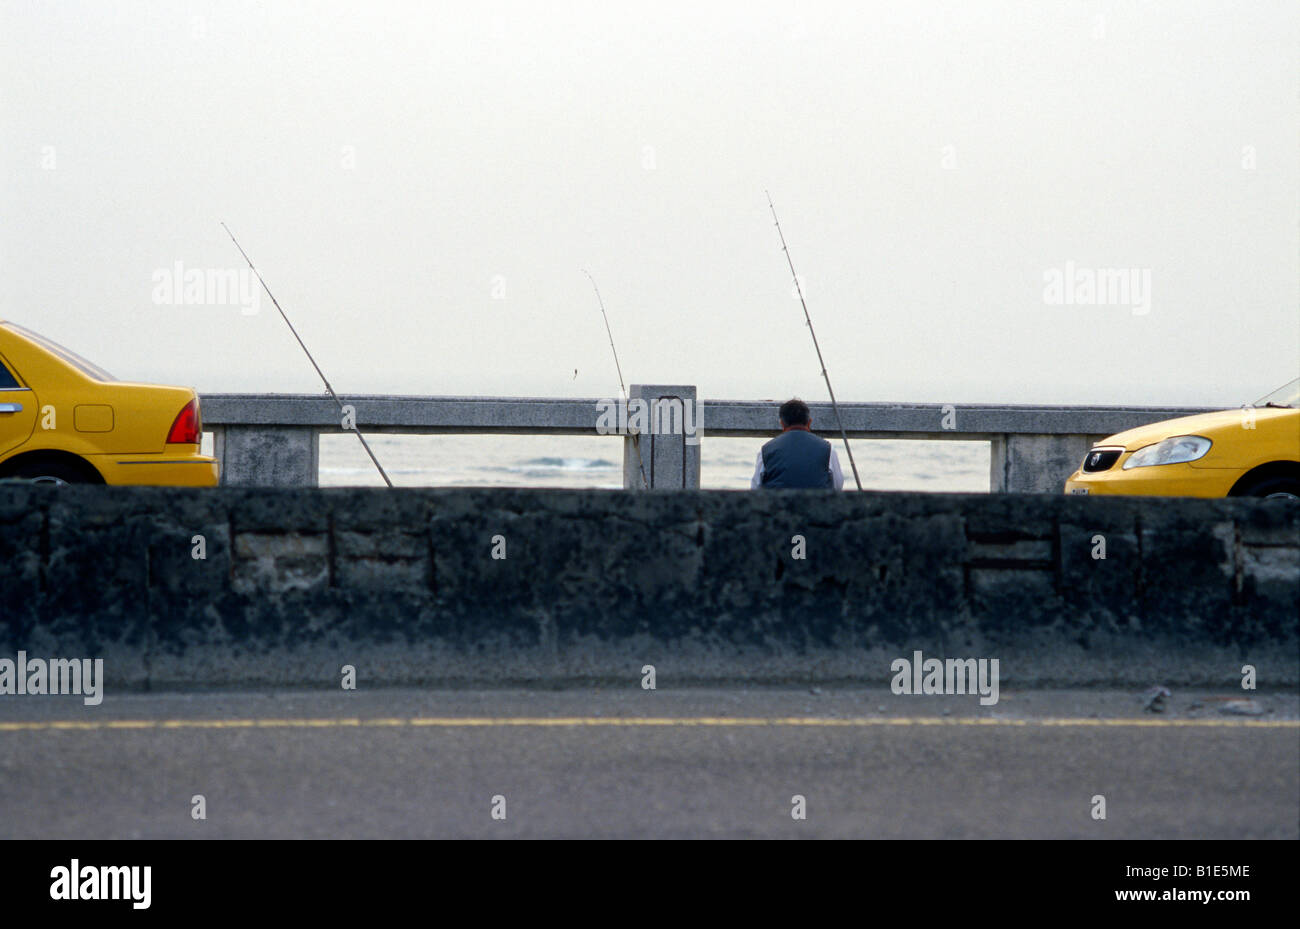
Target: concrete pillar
x,y
268,456
669,439
1034,463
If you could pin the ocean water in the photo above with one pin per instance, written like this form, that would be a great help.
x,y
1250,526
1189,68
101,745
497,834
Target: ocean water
x,y
597,461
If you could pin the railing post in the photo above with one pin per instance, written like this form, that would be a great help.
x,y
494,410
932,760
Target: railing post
x,y
998,464
670,439
1032,463
268,456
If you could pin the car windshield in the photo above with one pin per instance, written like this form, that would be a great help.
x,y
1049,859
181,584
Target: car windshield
x,y
1283,396
88,368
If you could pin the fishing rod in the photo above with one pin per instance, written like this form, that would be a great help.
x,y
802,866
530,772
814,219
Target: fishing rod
x,y
364,443
636,439
799,289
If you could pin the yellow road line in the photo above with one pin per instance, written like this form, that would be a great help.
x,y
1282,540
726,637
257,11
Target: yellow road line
x,y
458,722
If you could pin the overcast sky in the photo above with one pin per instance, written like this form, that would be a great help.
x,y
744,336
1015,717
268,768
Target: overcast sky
x,y
422,184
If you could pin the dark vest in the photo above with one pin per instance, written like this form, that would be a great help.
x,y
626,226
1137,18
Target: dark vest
x,y
797,458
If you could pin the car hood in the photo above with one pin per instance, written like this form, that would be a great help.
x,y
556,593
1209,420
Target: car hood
x,y
1205,424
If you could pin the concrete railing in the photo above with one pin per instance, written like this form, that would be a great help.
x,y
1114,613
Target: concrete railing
x,y
274,439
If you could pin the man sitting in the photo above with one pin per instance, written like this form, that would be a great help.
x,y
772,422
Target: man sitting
x,y
797,458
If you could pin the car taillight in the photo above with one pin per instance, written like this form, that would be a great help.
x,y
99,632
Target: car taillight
x,y
185,427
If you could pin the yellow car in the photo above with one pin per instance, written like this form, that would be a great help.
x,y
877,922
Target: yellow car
x,y
1250,452
64,420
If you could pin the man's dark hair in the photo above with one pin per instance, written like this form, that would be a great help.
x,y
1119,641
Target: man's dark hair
x,y
795,412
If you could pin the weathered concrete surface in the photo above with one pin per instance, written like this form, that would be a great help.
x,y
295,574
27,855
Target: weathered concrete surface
x,y
402,584
252,456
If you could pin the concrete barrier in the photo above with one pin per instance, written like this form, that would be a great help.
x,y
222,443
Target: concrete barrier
x,y
590,586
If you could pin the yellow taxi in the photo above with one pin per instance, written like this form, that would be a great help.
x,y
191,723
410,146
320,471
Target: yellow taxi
x,y
1250,452
64,420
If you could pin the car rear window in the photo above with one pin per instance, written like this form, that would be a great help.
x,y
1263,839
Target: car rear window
x,y
88,368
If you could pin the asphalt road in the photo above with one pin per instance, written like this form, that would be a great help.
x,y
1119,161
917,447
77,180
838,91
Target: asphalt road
x,y
632,763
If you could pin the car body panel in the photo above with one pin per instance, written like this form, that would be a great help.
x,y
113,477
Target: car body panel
x,y
71,406
17,416
179,470
1242,439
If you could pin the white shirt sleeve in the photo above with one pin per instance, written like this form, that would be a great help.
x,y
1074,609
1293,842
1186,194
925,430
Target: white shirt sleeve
x,y
757,481
837,476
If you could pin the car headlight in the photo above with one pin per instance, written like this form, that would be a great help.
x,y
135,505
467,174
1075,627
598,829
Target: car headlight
x,y
1176,450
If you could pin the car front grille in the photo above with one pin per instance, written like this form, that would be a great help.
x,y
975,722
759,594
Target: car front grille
x,y
1101,459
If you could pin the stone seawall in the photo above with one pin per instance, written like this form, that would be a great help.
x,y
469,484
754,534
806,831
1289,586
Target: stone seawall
x,y
704,585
